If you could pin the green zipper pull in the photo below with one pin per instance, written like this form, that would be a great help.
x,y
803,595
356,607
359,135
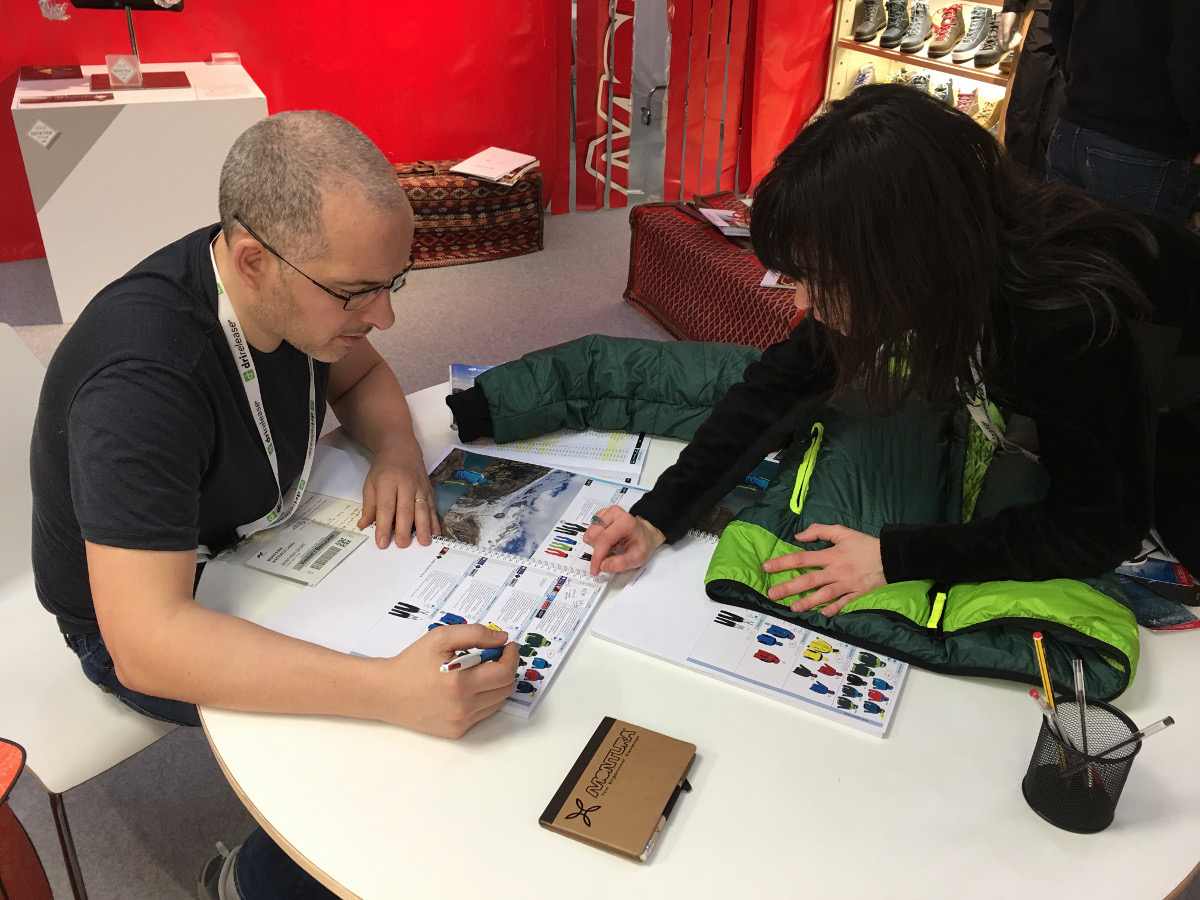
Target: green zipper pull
x,y
804,473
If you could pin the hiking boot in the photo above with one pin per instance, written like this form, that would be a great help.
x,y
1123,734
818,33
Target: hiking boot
x,y
950,30
897,24
920,28
968,102
920,81
977,29
1006,62
866,75
900,76
988,115
990,50
874,18
944,90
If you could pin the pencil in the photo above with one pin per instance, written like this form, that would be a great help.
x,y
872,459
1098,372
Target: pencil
x,y
1041,658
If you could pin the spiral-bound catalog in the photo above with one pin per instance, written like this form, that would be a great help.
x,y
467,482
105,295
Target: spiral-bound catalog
x,y
510,556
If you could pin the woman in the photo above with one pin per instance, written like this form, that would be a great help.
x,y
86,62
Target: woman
x,y
932,273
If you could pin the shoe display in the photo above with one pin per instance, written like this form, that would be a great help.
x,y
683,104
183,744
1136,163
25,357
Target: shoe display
x,y
968,102
977,29
897,24
866,75
920,28
950,30
990,51
874,18
920,81
944,90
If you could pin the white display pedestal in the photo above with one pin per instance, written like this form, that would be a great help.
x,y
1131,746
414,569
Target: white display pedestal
x,y
115,180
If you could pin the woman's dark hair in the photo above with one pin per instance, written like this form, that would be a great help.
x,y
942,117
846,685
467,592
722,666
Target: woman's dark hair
x,y
909,226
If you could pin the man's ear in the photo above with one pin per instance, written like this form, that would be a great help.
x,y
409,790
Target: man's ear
x,y
250,261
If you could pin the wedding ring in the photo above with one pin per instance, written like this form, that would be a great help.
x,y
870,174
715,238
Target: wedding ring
x,y
420,500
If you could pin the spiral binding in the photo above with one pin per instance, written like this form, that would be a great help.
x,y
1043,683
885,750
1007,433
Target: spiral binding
x,y
557,568
706,536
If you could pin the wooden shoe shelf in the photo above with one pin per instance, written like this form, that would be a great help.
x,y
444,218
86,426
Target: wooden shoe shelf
x,y
847,57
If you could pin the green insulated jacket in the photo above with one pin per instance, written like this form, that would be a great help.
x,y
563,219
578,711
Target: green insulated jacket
x,y
839,465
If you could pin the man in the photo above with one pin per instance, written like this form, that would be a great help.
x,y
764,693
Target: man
x,y
180,411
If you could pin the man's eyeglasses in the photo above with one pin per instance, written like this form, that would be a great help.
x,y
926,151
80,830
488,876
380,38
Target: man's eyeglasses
x,y
352,300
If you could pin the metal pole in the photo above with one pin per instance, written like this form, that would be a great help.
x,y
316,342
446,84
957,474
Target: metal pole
x,y
132,38
68,845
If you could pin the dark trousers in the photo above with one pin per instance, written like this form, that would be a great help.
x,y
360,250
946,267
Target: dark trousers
x,y
1141,179
1034,100
262,871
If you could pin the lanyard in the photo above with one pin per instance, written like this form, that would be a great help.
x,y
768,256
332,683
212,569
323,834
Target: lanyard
x,y
245,364
978,407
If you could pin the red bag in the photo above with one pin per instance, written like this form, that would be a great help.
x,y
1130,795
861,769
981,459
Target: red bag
x,y
697,283
462,219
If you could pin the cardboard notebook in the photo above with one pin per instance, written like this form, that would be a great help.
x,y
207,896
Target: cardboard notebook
x,y
621,789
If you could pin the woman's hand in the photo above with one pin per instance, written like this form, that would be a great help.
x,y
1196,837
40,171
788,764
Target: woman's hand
x,y
620,541
852,566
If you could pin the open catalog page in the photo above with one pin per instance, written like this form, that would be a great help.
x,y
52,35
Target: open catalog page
x,y
666,613
510,557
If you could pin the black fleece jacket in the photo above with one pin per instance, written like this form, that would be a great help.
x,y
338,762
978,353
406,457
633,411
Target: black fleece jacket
x,y
1089,399
1132,70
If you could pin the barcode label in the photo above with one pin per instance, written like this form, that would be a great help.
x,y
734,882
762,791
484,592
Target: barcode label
x,y
314,550
326,557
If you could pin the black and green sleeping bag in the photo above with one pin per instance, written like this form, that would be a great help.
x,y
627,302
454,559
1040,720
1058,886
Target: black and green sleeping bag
x,y
844,466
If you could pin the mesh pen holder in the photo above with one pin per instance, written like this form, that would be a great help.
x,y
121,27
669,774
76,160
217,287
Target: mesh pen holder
x,y
1074,791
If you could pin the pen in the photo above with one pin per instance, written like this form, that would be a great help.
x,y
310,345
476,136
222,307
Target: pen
x,y
1046,711
1081,699
1121,745
1052,718
468,658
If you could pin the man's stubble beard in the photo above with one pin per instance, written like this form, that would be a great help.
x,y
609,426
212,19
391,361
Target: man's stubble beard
x,y
279,314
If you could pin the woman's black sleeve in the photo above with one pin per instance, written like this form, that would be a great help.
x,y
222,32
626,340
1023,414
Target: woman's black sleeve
x,y
756,416
1095,427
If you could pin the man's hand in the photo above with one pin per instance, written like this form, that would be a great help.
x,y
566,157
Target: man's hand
x,y
852,566
1004,28
447,704
398,498
621,541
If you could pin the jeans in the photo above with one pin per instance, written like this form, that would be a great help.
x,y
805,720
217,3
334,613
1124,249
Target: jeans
x,y
263,871
1142,179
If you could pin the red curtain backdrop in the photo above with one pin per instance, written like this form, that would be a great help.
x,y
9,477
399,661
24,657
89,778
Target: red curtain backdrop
x,y
791,60
745,76
424,81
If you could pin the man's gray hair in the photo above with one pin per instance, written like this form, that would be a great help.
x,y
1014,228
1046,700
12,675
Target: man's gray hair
x,y
278,170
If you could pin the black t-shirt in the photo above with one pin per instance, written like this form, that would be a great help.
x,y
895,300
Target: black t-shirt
x,y
143,437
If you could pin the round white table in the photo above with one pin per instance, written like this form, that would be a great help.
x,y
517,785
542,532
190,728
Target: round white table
x,y
784,803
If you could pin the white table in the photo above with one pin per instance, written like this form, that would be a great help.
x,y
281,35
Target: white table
x,y
785,804
99,171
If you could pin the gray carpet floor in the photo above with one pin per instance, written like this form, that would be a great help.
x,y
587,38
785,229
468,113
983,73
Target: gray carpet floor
x,y
144,828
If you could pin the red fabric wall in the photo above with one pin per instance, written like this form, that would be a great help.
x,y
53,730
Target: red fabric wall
x,y
791,61
755,67
424,81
